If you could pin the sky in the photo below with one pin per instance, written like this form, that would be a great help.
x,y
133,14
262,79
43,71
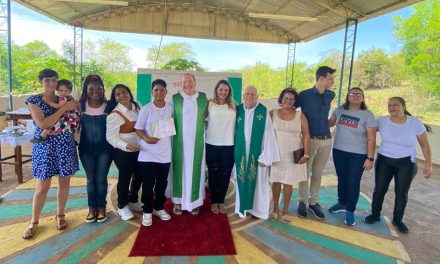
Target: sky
x,y
28,25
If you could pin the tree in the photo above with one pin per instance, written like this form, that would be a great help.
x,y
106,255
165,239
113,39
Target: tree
x,y
31,58
374,69
420,36
168,52
331,58
304,76
67,50
107,58
111,61
268,81
3,69
183,65
115,56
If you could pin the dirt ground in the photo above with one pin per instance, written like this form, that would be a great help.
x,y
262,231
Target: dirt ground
x,y
422,214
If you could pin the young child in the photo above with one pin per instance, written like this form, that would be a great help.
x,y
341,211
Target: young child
x,y
69,121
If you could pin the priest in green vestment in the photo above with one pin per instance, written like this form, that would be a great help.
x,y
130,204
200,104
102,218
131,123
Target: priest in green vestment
x,y
188,162
254,152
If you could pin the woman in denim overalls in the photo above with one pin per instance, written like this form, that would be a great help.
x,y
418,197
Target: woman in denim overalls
x,y
94,150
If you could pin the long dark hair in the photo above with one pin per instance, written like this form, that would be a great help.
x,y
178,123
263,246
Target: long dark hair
x,y
403,103
229,101
112,103
346,105
92,78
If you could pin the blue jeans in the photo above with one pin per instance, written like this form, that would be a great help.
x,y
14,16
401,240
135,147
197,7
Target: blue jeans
x,y
96,167
349,168
96,156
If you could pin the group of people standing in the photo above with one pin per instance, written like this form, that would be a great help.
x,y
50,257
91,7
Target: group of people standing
x,y
354,147
257,147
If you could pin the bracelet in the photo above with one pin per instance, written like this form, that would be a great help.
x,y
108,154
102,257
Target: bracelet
x,y
307,156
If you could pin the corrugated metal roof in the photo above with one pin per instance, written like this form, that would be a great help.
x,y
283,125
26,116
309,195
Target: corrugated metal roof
x,y
216,19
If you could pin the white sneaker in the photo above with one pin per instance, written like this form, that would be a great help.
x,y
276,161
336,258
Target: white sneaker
x,y
136,207
162,214
125,213
147,219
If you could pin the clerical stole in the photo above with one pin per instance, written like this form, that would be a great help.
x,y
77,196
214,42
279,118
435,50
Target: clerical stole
x,y
178,146
247,167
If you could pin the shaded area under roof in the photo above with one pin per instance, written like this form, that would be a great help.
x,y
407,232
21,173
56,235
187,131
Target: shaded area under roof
x,y
216,19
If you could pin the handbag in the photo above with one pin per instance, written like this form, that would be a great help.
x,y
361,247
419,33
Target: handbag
x,y
297,155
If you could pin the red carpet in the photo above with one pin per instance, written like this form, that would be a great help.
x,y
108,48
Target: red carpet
x,y
206,234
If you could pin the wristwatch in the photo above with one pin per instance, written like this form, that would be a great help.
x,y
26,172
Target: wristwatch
x,y
370,159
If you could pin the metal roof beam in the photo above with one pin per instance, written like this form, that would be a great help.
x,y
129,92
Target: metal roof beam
x,y
338,3
238,16
246,6
342,3
329,8
219,5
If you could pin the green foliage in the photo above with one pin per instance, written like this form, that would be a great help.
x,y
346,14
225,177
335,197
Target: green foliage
x,y
111,61
183,65
374,69
27,61
115,56
303,76
416,67
169,52
268,81
420,36
331,58
107,58
422,105
3,69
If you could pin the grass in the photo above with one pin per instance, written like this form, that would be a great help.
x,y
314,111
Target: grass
x,y
419,104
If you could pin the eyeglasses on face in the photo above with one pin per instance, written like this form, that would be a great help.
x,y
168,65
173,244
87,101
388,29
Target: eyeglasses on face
x,y
355,94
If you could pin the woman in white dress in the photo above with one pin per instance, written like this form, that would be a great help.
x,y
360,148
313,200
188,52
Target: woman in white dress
x,y
292,133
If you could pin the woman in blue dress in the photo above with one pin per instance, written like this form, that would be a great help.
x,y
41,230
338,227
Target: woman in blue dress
x,y
57,157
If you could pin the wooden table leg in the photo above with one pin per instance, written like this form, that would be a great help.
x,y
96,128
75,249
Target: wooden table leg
x,y
19,166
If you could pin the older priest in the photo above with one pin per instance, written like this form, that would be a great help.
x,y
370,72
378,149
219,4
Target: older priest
x,y
188,188
255,149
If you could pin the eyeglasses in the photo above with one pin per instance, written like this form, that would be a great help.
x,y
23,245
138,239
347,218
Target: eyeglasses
x,y
355,94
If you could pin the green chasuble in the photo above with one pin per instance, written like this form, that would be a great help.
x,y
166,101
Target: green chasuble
x,y
247,170
178,145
